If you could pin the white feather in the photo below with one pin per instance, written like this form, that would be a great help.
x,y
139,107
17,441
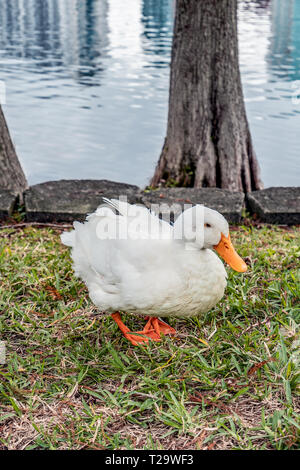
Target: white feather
x,y
147,272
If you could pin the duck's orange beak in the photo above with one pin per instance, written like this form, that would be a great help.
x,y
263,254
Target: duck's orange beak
x,y
226,250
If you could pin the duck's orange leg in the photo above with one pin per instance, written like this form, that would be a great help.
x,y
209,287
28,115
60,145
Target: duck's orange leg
x,y
152,330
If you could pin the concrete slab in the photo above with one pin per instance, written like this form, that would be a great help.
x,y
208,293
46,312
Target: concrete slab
x,y
226,202
277,205
69,200
7,202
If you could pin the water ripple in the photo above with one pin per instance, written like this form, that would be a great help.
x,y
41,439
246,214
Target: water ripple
x,y
87,85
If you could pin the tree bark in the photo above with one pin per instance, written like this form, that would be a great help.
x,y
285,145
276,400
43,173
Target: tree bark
x,y
11,173
208,142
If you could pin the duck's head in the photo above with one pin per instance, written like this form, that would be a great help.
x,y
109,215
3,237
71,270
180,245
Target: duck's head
x,y
206,228
216,235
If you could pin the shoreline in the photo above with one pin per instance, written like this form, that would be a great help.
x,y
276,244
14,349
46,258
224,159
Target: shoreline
x,y
70,200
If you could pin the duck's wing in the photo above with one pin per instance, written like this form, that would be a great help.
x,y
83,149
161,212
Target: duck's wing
x,y
95,261
111,265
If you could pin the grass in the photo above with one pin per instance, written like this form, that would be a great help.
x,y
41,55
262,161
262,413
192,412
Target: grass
x,y
229,380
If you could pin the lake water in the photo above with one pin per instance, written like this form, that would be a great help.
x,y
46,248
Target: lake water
x,y
87,85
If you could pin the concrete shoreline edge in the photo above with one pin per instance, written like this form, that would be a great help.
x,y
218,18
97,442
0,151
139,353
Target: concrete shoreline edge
x,y
69,200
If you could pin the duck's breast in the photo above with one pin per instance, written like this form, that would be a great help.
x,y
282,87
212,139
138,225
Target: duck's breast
x,y
206,282
187,284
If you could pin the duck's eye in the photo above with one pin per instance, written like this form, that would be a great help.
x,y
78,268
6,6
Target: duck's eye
x,y
207,225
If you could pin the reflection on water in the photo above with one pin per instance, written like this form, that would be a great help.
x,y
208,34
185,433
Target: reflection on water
x,y
87,85
269,33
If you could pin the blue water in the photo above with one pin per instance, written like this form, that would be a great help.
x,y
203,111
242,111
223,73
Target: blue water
x,y
87,85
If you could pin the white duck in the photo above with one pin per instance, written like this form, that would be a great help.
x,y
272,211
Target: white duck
x,y
132,261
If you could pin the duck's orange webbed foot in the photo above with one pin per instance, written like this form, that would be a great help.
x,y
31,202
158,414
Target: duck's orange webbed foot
x,y
159,326
152,330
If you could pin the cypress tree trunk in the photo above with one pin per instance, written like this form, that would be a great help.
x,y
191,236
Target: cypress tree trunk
x,y
208,141
11,173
